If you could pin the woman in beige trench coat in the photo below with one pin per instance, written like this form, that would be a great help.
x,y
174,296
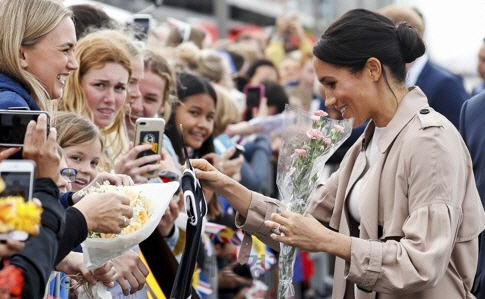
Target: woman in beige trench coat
x,y
402,213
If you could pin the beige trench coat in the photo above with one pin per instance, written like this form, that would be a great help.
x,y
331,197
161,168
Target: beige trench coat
x,y
421,193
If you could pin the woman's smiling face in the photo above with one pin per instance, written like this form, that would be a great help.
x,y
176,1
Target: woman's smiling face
x,y
52,59
196,114
349,93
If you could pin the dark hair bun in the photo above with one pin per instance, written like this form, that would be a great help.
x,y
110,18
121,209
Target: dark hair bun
x,y
412,46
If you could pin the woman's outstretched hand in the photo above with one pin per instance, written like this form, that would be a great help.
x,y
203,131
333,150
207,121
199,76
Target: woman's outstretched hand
x,y
308,234
238,196
208,174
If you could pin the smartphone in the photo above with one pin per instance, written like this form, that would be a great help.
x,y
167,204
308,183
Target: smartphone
x,y
223,143
18,176
13,124
142,23
150,131
254,94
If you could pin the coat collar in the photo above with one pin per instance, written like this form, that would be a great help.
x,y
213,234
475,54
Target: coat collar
x,y
412,102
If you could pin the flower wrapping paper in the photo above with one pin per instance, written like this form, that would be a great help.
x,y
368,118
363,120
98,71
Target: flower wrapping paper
x,y
98,251
308,142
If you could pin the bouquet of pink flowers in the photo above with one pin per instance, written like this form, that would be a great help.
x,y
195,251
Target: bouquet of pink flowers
x,y
309,141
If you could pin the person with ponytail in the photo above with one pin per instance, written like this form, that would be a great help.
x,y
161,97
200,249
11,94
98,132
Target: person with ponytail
x,y
402,213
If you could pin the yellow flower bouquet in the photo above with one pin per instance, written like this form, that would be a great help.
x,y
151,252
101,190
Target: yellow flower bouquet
x,y
18,218
138,201
149,202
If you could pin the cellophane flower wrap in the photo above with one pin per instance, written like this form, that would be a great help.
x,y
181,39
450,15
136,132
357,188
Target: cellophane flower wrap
x,y
149,202
308,142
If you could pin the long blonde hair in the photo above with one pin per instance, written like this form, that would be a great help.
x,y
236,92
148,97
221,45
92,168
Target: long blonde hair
x,y
25,23
227,111
93,50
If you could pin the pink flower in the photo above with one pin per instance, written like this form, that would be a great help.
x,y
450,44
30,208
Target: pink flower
x,y
315,118
320,113
327,141
314,134
339,128
298,152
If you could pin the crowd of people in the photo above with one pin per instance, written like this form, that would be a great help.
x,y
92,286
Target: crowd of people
x,y
401,212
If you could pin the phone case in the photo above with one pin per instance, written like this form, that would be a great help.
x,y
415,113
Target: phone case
x,y
150,131
254,93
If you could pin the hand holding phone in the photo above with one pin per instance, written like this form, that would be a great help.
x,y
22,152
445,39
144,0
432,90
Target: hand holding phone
x,y
223,143
41,150
134,166
13,126
231,166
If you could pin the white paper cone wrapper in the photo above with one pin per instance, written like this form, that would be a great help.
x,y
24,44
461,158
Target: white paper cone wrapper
x,y
98,251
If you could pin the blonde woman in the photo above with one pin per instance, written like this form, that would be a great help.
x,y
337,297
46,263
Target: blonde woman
x,y
37,52
128,162
98,90
36,41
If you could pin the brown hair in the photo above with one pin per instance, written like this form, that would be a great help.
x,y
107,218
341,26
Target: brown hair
x,y
195,35
158,65
74,129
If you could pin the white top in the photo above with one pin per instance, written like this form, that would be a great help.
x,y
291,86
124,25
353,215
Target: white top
x,y
415,70
372,153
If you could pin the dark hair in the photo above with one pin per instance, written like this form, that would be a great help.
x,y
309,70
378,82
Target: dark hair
x,y
276,95
86,17
189,85
361,34
237,60
258,63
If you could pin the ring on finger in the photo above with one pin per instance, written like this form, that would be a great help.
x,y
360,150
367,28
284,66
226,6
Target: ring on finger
x,y
277,230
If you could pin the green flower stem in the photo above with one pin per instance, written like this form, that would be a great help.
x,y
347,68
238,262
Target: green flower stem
x,y
301,186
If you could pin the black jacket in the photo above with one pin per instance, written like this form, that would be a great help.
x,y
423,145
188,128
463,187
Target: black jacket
x,y
75,233
38,256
